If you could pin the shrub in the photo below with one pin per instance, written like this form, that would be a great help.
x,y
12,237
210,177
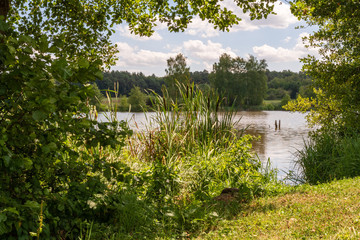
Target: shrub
x,y
328,157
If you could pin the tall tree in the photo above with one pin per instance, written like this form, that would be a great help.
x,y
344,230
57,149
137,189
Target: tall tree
x,y
177,72
240,80
335,72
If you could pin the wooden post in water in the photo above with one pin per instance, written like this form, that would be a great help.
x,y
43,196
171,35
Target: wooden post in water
x,y
279,124
275,125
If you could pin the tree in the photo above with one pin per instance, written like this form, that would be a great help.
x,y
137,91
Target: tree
x,y
137,99
336,72
241,81
49,53
332,152
177,72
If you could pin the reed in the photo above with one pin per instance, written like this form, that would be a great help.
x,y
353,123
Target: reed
x,y
327,157
185,125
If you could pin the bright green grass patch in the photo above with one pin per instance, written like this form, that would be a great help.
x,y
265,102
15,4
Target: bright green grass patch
x,y
274,102
327,211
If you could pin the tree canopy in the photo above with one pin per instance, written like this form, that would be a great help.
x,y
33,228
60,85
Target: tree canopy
x,y
336,72
242,81
177,72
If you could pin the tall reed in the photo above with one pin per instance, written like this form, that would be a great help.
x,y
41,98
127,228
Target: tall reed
x,y
190,123
327,157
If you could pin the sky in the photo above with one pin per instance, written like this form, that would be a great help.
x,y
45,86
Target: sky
x,y
275,39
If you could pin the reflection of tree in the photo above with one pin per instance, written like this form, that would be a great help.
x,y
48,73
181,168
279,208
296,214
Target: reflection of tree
x,y
259,144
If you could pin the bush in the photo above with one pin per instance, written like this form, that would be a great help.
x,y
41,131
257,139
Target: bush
x,y
328,157
51,164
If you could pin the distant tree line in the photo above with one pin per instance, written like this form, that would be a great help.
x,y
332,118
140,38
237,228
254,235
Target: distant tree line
x,y
244,82
126,81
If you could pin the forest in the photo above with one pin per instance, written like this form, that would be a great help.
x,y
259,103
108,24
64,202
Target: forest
x,y
191,174
253,84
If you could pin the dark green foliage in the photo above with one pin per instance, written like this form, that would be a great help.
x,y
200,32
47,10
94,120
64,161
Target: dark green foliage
x,y
242,81
285,100
137,100
328,157
177,72
126,81
287,82
275,93
46,135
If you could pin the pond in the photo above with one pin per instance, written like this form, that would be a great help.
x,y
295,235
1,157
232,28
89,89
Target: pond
x,y
278,144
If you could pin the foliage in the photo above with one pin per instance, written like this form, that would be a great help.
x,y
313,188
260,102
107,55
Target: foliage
x,y
137,100
336,105
242,81
327,157
97,99
44,121
127,81
177,72
335,73
285,100
287,82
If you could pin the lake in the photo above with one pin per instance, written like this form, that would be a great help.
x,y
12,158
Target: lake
x,y
277,144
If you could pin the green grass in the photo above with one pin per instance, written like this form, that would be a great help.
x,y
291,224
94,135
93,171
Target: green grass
x,y
274,102
326,211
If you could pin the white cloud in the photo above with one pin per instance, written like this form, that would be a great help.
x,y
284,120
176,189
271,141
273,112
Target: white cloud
x,y
208,53
125,31
202,28
134,57
280,54
280,21
287,39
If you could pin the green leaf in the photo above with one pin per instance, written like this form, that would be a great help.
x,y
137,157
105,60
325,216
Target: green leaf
x,y
39,115
3,26
4,229
83,63
27,163
7,160
12,210
32,204
3,218
12,50
99,75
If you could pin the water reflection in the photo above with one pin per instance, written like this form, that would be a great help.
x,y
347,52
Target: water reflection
x,y
277,144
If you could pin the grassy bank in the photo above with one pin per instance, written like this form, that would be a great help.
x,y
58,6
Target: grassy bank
x,y
326,211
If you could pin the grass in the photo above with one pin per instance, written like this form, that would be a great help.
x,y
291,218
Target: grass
x,y
274,102
326,211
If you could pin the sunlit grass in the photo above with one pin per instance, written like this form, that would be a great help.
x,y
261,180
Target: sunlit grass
x,y
274,102
327,211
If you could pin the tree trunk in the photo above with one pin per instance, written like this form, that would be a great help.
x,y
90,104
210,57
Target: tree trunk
x,y
4,7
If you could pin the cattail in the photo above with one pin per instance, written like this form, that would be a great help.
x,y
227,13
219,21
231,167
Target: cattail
x,y
164,102
217,105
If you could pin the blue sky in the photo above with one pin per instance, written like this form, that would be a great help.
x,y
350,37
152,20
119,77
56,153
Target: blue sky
x,y
274,39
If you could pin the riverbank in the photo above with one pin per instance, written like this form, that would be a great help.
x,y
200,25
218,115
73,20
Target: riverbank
x,y
326,211
122,104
